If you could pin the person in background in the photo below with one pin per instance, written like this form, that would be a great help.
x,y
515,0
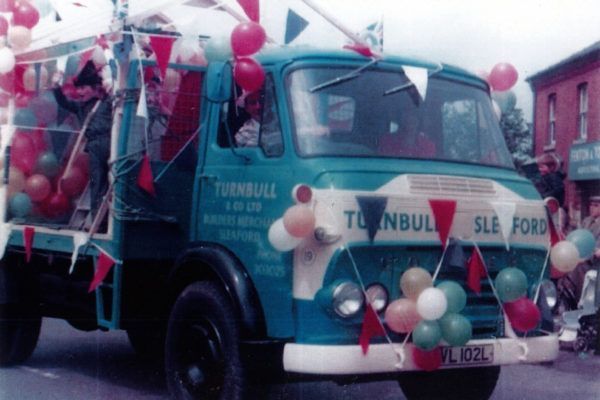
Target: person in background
x,y
247,135
93,107
551,181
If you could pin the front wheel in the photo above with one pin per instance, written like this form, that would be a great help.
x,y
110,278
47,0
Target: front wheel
x,y
19,332
202,358
450,384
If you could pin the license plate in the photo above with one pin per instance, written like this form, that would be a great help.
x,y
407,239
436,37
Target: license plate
x,y
468,355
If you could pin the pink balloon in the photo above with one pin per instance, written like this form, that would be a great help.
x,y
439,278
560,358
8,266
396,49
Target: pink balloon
x,y
503,76
523,314
427,360
401,315
247,38
22,152
73,182
38,187
249,74
299,221
25,14
56,205
39,141
82,162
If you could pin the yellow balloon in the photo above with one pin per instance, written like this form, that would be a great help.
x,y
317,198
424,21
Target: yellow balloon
x,y
414,281
19,37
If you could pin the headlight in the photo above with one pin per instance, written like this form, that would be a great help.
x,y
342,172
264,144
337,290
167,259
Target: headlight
x,y
348,299
377,296
549,292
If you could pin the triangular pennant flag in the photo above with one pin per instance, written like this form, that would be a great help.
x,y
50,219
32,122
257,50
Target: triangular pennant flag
x,y
554,236
251,8
372,209
142,107
454,263
145,180
162,45
443,212
103,265
505,211
61,64
419,77
373,35
508,329
371,326
28,233
294,26
5,231
79,239
361,49
85,57
475,271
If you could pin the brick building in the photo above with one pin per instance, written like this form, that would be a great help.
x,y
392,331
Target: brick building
x,y
567,122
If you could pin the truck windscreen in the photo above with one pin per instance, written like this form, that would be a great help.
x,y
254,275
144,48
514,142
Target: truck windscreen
x,y
362,117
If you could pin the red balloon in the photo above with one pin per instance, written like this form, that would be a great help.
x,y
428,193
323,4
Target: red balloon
x,y
82,162
523,314
503,76
38,187
3,26
427,360
7,81
56,205
249,74
73,182
247,38
25,14
39,140
7,5
22,152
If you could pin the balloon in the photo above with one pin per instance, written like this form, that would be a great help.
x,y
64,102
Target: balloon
x,y
432,303
25,118
22,152
4,99
38,187
503,76
456,329
505,100
414,281
7,60
73,182
22,100
218,48
455,294
7,5
30,79
585,242
280,239
564,256
47,164
19,37
56,205
523,314
44,108
82,161
3,26
249,74
247,38
98,57
299,221
20,205
427,360
511,283
427,335
25,14
16,180
401,315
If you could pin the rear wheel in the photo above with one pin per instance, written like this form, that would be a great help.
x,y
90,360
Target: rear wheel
x,y
202,356
19,332
450,384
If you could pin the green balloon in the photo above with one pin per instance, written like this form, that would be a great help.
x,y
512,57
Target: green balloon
x,y
20,205
456,329
427,335
511,283
455,294
47,164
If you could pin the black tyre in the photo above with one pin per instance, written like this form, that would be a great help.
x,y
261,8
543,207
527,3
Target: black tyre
x,y
202,356
19,332
450,384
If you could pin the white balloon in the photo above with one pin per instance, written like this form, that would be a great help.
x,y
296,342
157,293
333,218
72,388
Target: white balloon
x,y
19,37
7,60
564,256
432,304
280,239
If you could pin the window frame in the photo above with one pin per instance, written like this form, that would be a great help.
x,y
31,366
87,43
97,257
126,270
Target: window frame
x,y
583,96
551,132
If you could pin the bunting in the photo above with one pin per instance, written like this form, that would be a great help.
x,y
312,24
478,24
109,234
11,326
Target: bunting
x,y
79,239
103,265
419,77
251,8
361,49
371,327
142,107
505,211
145,180
162,46
372,209
373,35
475,271
443,212
28,233
294,26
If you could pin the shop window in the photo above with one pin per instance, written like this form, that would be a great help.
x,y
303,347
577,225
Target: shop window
x,y
583,108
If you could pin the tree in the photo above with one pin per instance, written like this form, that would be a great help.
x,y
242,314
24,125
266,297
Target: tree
x,y
517,135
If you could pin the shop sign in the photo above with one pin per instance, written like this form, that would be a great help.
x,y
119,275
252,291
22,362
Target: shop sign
x,y
584,161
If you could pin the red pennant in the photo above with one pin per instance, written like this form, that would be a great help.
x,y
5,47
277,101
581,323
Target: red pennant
x,y
103,266
360,49
145,180
371,326
475,271
427,360
251,8
28,233
162,45
554,236
443,212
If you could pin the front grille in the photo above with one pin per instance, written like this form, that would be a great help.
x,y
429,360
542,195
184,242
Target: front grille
x,y
450,186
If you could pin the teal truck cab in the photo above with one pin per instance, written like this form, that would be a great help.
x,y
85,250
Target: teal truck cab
x,y
272,257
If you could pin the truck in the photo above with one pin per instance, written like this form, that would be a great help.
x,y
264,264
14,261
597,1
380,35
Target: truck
x,y
211,272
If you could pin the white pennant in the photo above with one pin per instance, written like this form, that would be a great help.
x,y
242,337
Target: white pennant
x,y
79,239
505,211
61,63
142,109
5,230
419,77
508,329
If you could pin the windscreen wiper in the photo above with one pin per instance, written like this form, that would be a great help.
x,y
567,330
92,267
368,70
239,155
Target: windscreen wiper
x,y
408,84
343,78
